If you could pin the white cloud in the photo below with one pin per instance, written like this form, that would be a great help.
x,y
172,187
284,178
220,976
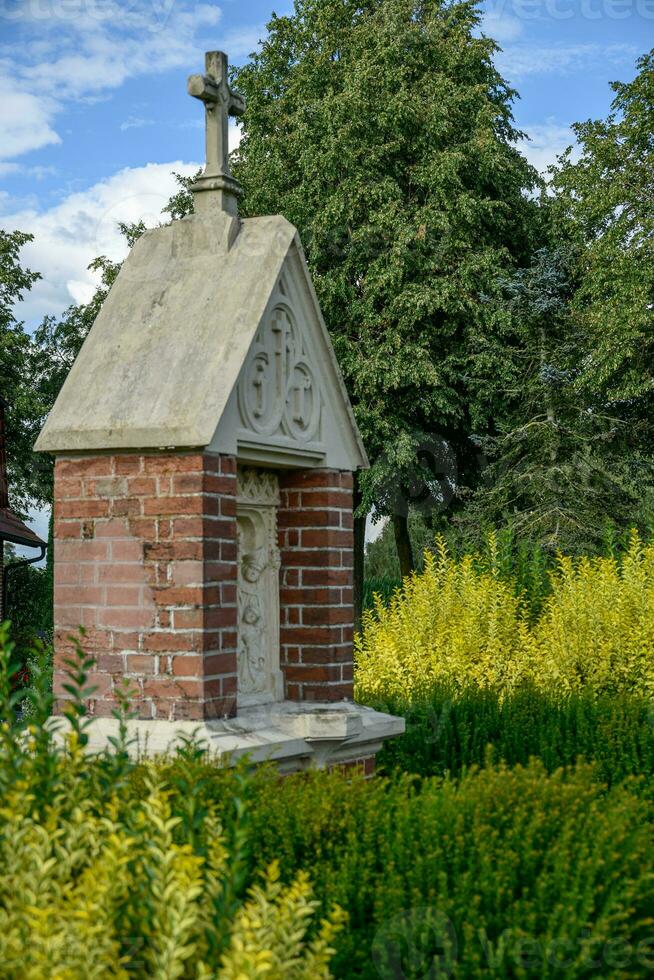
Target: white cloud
x,y
39,172
70,235
374,530
85,50
135,122
24,120
114,51
546,143
235,135
520,60
501,26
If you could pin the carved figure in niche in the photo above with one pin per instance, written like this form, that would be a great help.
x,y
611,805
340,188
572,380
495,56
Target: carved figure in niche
x,y
260,679
252,623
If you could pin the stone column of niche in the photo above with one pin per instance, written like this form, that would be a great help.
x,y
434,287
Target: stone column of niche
x,y
260,680
145,560
317,614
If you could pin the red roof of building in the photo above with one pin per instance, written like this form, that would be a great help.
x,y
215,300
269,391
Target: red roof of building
x,y
11,527
14,530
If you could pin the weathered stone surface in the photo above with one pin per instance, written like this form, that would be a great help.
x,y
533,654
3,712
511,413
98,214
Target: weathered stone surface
x,y
161,365
294,736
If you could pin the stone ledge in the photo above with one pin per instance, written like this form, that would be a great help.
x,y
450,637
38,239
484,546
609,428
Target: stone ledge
x,y
295,736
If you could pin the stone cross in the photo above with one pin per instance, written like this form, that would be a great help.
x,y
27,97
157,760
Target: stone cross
x,y
220,102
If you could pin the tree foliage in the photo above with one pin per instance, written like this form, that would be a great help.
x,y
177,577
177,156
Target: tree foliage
x,y
561,469
516,331
384,133
16,381
605,202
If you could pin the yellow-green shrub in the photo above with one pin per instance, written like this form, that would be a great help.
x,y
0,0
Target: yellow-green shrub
x,y
453,624
112,870
461,625
89,894
597,627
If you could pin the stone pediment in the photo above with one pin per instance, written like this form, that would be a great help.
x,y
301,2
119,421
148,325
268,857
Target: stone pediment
x,y
211,336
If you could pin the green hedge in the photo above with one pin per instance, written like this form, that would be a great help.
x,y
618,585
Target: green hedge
x,y
506,873
502,873
451,732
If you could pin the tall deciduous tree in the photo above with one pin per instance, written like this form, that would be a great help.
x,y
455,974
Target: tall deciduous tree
x,y
16,381
382,130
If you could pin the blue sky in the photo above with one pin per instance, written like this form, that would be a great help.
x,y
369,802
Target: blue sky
x,y
94,114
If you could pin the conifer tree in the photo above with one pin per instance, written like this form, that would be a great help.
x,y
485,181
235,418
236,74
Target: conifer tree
x,y
561,469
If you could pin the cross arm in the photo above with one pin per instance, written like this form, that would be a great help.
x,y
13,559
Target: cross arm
x,y
208,90
203,88
236,104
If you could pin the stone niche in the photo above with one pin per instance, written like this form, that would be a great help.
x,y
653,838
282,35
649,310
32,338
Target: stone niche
x,y
204,456
259,675
204,503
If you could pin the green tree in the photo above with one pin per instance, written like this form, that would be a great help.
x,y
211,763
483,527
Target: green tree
x,y
56,344
16,380
58,340
605,203
382,130
561,468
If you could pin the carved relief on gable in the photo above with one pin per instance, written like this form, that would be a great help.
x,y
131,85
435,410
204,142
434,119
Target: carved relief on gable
x,y
279,393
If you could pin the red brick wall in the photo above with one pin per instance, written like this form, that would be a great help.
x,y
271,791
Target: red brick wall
x,y
317,616
145,560
365,766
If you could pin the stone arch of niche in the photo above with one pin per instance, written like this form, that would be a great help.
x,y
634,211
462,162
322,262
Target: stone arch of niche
x,y
259,676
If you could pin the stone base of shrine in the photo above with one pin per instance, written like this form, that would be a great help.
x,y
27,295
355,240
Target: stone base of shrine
x,y
294,735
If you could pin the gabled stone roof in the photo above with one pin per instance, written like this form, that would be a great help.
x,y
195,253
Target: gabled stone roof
x,y
166,351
